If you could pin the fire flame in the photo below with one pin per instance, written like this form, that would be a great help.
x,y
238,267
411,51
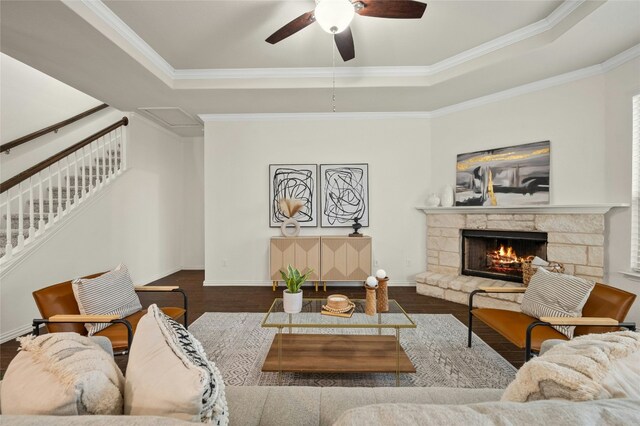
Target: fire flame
x,y
505,255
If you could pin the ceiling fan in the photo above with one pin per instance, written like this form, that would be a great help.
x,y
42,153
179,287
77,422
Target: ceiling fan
x,y
334,16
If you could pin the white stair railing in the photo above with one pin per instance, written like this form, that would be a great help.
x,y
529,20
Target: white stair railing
x,y
56,186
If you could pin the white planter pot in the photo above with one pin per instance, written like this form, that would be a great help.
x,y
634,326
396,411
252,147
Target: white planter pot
x,y
292,302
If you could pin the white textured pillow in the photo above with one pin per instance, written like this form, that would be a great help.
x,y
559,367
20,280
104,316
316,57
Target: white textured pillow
x,y
550,294
169,375
62,374
594,366
112,293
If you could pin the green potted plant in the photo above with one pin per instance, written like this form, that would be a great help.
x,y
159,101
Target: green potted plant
x,y
292,296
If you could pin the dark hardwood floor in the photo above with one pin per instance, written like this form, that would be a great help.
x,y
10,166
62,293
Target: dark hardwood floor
x,y
258,299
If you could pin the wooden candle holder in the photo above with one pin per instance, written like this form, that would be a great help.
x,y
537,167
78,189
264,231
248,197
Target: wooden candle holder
x,y
370,304
382,295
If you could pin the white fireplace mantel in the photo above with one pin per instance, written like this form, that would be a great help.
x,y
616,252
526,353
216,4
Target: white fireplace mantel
x,y
548,209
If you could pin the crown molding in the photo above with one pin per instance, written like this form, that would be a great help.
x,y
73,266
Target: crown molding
x,y
106,21
314,116
594,70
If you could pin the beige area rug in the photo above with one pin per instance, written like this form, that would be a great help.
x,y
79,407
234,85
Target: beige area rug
x,y
437,348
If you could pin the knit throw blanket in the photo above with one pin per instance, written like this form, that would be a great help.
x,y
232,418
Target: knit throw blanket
x,y
575,370
80,363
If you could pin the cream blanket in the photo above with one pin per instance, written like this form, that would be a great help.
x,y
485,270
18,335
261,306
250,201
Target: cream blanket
x,y
594,366
81,364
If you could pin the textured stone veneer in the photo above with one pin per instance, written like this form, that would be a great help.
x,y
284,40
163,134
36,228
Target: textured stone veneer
x,y
575,240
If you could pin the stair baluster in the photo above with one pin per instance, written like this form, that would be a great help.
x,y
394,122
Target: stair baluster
x,y
8,250
50,215
32,228
20,219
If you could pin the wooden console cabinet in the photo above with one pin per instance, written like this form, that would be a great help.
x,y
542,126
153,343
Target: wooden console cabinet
x,y
333,258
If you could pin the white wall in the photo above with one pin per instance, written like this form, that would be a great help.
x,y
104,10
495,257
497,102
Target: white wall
x,y
237,157
30,101
193,203
137,221
621,85
589,125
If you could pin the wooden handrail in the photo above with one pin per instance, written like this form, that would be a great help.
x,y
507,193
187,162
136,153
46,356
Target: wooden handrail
x,y
11,182
53,128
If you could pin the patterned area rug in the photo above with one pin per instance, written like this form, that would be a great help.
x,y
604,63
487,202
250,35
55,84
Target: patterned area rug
x,y
437,348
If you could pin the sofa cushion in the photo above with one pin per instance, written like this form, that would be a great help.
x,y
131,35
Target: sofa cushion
x,y
594,366
111,293
556,295
62,374
557,413
323,405
168,374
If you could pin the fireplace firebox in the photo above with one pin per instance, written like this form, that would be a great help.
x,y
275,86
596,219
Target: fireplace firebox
x,y
500,254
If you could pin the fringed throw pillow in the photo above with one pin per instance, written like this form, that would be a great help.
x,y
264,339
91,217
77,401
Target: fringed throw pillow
x,y
169,375
62,374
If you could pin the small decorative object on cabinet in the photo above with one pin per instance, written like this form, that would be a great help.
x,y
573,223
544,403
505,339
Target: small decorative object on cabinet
x,y
292,296
382,294
289,207
356,225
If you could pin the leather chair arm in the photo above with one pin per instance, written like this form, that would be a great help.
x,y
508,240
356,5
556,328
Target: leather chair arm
x,y
159,288
113,319
502,289
167,289
595,321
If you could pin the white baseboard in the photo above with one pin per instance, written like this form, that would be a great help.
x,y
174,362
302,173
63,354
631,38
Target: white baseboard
x,y
156,277
193,268
255,283
16,332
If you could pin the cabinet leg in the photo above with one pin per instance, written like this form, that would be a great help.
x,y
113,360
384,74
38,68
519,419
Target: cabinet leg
x,y
274,285
324,286
316,284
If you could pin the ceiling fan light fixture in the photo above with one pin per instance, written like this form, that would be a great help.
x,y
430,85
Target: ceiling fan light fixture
x,y
334,16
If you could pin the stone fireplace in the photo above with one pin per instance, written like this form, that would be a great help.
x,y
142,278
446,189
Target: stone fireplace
x,y
573,236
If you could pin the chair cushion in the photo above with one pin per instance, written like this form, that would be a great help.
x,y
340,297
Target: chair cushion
x,y
112,293
168,374
62,374
513,326
117,333
556,295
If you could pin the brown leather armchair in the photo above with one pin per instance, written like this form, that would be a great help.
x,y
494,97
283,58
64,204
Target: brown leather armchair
x,y
59,309
605,309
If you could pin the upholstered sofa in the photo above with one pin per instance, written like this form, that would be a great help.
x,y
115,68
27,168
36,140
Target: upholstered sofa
x,y
308,406
314,406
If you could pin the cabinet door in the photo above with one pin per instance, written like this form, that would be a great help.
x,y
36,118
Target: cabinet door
x,y
300,252
281,254
346,258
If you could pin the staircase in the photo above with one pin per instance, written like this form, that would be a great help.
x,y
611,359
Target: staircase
x,y
33,205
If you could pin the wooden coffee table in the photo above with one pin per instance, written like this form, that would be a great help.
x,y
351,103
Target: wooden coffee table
x,y
335,352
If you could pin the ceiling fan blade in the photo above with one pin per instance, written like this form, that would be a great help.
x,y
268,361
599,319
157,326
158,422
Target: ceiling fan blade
x,y
398,9
292,27
344,43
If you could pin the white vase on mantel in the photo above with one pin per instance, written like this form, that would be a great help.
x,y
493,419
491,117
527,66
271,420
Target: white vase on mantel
x,y
433,200
447,196
292,302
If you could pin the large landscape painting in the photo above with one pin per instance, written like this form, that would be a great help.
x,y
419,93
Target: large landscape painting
x,y
516,175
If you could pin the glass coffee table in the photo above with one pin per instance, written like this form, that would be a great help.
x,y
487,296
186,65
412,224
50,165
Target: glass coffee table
x,y
296,348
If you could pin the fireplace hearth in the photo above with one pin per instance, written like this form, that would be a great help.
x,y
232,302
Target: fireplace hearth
x,y
500,254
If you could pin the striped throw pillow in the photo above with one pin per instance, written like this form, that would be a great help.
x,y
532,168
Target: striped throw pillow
x,y
551,294
112,293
